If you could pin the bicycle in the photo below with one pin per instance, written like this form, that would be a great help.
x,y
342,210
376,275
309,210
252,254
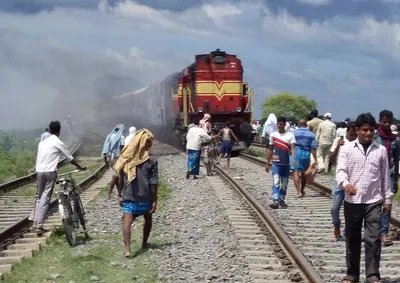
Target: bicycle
x,y
71,216
210,155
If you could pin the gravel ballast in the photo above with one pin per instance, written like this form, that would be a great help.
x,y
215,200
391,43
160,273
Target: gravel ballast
x,y
204,245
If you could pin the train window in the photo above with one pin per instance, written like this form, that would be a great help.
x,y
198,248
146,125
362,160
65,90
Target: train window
x,y
245,89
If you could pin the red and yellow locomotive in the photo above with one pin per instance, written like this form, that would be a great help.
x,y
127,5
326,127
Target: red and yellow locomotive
x,y
213,84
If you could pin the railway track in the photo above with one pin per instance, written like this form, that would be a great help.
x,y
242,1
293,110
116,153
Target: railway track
x,y
73,147
17,201
304,228
271,255
17,241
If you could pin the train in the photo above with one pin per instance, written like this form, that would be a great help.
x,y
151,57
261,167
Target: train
x,y
213,84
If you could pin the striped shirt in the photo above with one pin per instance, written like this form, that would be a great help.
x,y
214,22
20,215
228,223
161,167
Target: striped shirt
x,y
367,172
305,139
282,147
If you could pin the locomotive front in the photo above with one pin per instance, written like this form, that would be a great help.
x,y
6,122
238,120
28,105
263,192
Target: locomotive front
x,y
214,85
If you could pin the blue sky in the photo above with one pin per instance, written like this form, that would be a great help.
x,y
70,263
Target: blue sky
x,y
342,53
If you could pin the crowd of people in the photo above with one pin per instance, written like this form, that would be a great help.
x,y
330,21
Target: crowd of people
x,y
366,155
364,152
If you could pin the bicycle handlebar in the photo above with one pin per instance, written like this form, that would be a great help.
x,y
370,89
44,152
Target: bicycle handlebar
x,y
69,173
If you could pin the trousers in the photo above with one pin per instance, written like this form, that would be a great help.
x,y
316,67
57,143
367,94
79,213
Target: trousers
x,y
386,215
323,151
337,202
355,215
280,177
44,190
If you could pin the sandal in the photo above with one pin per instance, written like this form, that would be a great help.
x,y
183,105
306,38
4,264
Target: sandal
x,y
385,239
40,231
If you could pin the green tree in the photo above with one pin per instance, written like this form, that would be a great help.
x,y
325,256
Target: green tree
x,y
293,107
6,142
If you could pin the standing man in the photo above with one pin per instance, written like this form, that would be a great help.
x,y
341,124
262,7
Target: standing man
x,y
385,137
138,197
269,127
281,144
305,146
195,137
338,193
45,135
314,121
326,134
226,144
363,173
113,145
205,123
49,152
341,129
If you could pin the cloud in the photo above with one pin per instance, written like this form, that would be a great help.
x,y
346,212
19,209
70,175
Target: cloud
x,y
315,2
60,53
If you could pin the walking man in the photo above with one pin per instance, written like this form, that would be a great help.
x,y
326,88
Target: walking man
x,y
226,145
363,173
326,134
195,137
281,144
337,192
385,137
49,152
113,145
138,193
314,122
305,146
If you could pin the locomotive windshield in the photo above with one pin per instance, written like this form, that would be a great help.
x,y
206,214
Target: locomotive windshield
x,y
219,59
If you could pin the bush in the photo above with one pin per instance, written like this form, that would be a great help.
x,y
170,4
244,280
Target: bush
x,y
17,153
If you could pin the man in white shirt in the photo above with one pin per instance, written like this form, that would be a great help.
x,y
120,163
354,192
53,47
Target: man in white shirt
x,y
45,135
326,133
48,156
195,137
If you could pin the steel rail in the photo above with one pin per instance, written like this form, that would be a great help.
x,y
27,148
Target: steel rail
x,y
9,235
21,181
315,185
288,246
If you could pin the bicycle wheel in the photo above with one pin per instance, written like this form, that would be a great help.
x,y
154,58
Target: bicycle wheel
x,y
81,213
68,221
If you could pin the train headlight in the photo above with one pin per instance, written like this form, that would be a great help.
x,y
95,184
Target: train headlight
x,y
200,109
239,109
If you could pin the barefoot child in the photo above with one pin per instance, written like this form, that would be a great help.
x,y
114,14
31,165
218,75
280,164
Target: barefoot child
x,y
226,145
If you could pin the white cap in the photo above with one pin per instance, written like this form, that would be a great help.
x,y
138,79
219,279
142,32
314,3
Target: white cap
x,y
328,115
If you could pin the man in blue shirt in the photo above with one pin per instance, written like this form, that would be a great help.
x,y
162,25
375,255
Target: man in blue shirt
x,y
305,145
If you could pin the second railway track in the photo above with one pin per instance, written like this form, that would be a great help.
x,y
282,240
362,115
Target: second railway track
x,y
307,223
73,144
17,201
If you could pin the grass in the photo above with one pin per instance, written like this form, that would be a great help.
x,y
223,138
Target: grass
x,y
100,257
91,168
397,197
256,151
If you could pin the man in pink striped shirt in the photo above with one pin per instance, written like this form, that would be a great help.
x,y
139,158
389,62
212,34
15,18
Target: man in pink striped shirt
x,y
363,173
